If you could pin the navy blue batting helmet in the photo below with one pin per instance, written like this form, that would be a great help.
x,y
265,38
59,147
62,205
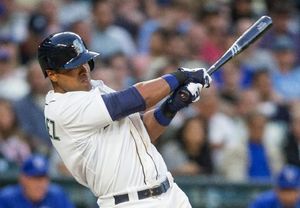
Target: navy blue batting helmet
x,y
64,50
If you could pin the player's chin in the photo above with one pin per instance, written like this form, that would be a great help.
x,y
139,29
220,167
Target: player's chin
x,y
86,84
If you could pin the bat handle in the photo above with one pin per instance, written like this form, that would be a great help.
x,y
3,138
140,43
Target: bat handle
x,y
185,95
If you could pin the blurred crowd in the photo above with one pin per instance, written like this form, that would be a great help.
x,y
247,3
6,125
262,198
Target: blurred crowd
x,y
245,127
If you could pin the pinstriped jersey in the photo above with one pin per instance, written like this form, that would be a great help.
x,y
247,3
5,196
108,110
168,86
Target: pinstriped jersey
x,y
109,157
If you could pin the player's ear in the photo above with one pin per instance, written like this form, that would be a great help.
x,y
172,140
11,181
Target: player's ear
x,y
52,75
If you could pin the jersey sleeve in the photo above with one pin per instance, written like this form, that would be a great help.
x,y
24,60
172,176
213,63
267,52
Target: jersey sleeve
x,y
83,111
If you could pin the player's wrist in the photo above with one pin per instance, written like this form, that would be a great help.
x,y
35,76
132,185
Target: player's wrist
x,y
175,79
164,113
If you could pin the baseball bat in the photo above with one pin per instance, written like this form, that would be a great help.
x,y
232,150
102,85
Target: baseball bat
x,y
255,31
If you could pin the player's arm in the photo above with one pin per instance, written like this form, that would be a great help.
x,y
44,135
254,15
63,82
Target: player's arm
x,y
146,94
158,119
155,90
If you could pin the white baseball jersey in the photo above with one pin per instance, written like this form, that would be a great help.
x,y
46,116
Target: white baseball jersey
x,y
109,157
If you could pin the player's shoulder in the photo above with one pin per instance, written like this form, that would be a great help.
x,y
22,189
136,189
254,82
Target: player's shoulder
x,y
265,199
55,189
54,96
10,192
56,101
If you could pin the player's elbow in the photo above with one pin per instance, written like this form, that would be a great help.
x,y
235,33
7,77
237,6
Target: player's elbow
x,y
123,103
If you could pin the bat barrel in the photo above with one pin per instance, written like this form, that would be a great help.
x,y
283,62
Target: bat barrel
x,y
248,37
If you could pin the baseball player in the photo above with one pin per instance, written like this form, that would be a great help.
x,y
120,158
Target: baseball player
x,y
35,189
99,133
285,193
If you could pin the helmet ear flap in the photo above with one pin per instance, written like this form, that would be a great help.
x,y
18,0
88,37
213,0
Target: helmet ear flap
x,y
91,64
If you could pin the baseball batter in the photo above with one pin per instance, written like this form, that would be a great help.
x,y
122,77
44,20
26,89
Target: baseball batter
x,y
99,133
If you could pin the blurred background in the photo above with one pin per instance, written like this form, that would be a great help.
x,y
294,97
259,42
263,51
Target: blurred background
x,y
223,150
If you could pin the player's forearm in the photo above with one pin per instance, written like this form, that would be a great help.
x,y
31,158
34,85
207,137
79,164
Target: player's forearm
x,y
154,129
153,91
143,95
137,98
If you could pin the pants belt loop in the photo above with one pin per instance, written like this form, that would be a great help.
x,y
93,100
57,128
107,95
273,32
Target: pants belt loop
x,y
133,196
106,202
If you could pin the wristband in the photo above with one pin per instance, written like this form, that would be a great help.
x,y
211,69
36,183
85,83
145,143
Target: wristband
x,y
175,79
180,76
163,114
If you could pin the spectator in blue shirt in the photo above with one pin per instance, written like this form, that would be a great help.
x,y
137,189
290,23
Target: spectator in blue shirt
x,y
286,191
34,189
286,75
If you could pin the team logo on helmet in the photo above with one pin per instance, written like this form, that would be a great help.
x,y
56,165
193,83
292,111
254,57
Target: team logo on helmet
x,y
78,46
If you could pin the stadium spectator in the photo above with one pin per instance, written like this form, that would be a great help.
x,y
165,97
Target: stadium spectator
x,y
242,9
107,38
286,75
285,192
68,12
83,28
116,70
270,103
223,129
147,65
30,109
129,15
12,20
122,69
12,76
37,27
254,57
173,16
285,23
231,81
292,141
216,24
34,188
107,75
14,146
189,152
195,38
49,9
255,158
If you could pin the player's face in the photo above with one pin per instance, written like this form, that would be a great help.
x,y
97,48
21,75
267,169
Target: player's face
x,y
288,197
77,79
35,188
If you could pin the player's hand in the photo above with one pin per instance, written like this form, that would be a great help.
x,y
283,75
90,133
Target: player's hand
x,y
176,103
194,90
168,109
197,75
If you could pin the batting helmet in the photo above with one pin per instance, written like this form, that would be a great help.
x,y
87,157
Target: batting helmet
x,y
64,50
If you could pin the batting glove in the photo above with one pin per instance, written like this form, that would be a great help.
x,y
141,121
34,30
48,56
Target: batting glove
x,y
197,75
194,90
168,109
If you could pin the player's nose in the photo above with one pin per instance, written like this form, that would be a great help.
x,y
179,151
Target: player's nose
x,y
85,68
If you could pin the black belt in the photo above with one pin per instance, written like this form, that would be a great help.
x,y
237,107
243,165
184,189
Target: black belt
x,y
155,191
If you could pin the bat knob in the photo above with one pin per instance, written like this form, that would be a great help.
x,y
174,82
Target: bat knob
x,y
184,95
